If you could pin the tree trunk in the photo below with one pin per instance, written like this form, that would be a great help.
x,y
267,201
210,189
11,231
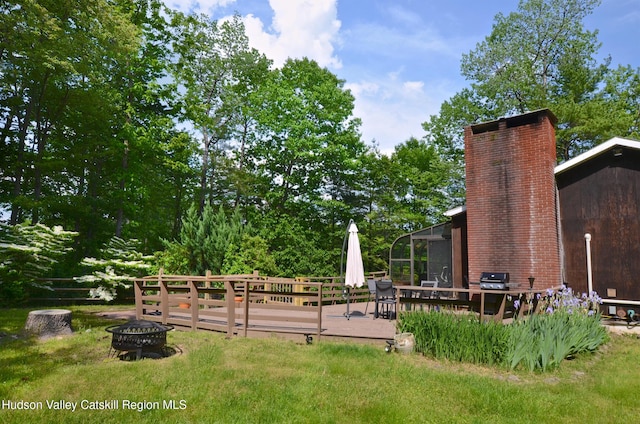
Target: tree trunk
x,y
205,169
20,167
49,323
123,187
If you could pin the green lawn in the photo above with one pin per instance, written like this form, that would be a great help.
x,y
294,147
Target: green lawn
x,y
269,380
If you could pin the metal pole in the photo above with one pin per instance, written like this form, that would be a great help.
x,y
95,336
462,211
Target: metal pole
x,y
345,289
587,238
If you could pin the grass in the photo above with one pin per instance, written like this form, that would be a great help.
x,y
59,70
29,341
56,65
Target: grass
x,y
271,380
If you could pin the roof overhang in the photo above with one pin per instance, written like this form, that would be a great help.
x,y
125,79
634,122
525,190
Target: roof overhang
x,y
456,211
596,151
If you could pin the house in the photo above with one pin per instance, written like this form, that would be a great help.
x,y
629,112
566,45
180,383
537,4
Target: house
x,y
599,196
529,217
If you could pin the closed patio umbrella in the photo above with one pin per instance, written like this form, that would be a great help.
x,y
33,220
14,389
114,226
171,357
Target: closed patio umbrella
x,y
354,274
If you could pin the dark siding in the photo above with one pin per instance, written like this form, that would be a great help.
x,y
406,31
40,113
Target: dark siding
x,y
460,263
602,197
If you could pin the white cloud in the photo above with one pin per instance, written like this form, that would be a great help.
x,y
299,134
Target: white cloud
x,y
395,42
631,18
392,109
201,6
300,28
413,88
404,16
303,28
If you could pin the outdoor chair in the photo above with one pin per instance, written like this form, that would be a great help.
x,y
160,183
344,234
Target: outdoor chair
x,y
385,299
372,292
429,294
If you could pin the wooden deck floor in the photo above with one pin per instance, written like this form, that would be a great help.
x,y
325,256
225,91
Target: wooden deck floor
x,y
335,326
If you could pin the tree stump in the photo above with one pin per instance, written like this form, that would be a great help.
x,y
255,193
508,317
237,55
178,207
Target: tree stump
x,y
49,323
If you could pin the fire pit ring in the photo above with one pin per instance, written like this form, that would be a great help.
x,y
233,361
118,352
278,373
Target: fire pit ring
x,y
139,336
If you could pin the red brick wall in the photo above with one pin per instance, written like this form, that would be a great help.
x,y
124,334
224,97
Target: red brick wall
x,y
511,199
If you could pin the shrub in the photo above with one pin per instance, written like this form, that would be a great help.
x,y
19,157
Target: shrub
x,y
252,254
119,262
28,252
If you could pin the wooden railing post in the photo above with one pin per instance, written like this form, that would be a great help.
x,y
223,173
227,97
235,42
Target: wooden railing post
x,y
231,308
164,298
299,288
193,294
137,288
500,314
207,284
319,330
246,306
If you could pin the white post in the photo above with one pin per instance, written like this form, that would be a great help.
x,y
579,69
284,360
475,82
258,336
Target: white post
x,y
587,238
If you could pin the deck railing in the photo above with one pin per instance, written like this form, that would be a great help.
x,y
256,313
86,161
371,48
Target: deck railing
x,y
489,304
333,288
235,304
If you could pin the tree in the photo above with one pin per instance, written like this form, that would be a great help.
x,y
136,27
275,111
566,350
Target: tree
x,y
53,53
621,99
86,119
538,57
28,252
306,137
518,66
542,57
445,132
251,255
141,102
204,241
423,177
296,248
213,60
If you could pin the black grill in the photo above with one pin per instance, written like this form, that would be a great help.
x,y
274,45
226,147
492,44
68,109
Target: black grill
x,y
494,281
139,336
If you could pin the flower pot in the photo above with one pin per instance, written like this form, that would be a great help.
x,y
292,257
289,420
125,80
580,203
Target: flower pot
x,y
184,305
404,342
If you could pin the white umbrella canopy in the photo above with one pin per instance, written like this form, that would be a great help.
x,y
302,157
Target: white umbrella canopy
x,y
354,274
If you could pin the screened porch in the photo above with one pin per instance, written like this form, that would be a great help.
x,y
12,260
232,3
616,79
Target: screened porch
x,y
423,255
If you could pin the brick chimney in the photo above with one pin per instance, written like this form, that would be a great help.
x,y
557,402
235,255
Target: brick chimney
x,y
511,199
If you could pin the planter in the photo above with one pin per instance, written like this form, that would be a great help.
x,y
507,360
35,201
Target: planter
x,y
184,305
404,342
238,299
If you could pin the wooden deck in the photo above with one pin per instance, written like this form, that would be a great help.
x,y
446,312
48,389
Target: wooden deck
x,y
254,305
335,326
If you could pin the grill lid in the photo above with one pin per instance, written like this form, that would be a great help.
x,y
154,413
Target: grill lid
x,y
494,277
494,280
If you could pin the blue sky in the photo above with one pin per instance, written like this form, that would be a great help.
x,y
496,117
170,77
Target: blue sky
x,y
400,58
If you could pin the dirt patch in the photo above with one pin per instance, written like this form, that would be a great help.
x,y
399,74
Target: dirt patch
x,y
621,327
126,315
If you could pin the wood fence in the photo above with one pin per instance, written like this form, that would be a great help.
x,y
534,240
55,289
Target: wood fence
x,y
67,291
235,304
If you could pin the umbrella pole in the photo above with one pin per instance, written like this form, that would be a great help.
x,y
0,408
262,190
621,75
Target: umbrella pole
x,y
345,289
347,314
